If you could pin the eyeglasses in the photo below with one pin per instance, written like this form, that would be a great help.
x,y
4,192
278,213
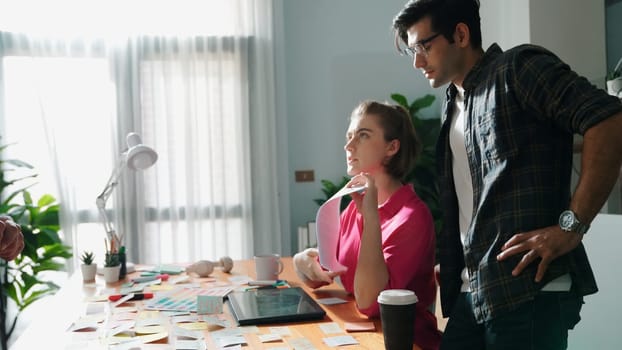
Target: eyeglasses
x,y
419,47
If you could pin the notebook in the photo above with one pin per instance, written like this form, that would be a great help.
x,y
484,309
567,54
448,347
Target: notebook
x,y
273,305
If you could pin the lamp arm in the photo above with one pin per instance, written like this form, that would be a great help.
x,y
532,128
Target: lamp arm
x,y
105,194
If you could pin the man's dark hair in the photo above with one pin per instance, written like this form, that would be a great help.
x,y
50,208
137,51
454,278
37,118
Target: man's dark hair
x,y
444,16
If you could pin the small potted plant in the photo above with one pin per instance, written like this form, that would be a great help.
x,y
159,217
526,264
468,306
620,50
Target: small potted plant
x,y
111,267
614,80
88,267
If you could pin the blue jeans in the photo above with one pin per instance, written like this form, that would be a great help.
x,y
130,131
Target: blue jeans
x,y
540,324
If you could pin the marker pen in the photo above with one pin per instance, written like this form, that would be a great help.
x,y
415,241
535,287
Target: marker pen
x,y
137,296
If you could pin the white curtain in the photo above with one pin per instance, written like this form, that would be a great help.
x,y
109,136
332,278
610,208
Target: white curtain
x,y
204,100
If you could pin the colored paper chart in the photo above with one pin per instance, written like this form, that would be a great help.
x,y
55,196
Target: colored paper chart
x,y
182,299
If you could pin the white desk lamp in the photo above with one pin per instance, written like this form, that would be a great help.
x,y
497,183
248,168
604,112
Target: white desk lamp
x,y
136,157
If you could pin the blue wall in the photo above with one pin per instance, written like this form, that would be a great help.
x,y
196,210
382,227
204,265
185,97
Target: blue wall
x,y
336,54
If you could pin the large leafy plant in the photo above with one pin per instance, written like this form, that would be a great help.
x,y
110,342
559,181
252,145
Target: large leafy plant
x,y
24,280
424,175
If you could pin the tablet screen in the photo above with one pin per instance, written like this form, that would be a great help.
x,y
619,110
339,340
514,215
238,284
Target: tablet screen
x,y
274,305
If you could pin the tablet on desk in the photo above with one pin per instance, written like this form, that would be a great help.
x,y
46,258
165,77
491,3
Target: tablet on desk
x,y
274,305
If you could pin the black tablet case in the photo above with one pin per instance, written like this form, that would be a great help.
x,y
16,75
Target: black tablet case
x,y
273,305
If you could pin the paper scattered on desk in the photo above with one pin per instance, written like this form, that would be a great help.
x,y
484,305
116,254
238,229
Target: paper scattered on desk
x,y
173,313
152,321
124,309
183,299
331,328
162,288
136,287
179,279
149,329
124,316
185,318
132,344
331,301
119,327
192,344
226,332
280,330
359,326
230,340
149,314
148,338
266,338
340,340
82,324
214,320
301,344
195,326
188,333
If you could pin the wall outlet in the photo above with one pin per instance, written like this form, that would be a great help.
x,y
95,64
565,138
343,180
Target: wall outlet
x,y
305,176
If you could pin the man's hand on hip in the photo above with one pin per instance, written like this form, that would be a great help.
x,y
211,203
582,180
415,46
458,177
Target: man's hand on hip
x,y
546,244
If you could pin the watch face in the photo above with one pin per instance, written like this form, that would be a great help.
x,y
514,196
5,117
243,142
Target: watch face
x,y
566,220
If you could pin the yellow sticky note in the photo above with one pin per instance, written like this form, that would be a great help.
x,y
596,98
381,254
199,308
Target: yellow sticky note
x,y
195,326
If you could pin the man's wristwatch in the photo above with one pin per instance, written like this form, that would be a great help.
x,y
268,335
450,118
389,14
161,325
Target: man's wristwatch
x,y
569,222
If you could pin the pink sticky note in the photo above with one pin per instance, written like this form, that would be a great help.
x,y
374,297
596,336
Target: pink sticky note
x,y
359,326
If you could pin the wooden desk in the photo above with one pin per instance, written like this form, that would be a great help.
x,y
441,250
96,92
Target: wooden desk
x,y
67,305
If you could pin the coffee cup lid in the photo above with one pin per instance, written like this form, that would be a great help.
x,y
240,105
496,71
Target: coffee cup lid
x,y
397,297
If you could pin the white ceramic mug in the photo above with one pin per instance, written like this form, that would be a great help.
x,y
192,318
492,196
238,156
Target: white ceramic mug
x,y
268,266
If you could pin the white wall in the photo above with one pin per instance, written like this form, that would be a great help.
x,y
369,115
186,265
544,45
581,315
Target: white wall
x,y
601,318
575,31
506,23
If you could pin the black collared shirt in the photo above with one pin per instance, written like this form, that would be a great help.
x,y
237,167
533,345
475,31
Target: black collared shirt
x,y
522,108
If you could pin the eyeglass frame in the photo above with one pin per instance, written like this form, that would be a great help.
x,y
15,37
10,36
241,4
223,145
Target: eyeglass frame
x,y
419,47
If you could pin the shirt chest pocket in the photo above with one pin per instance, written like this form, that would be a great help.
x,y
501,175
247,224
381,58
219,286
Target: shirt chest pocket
x,y
494,138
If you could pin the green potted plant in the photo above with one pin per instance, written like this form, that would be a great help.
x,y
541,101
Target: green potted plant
x,y
26,279
112,266
614,80
88,267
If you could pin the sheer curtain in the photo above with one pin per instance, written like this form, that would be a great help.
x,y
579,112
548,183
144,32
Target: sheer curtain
x,y
203,99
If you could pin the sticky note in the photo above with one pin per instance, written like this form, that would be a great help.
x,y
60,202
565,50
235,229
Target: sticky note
x,y
209,304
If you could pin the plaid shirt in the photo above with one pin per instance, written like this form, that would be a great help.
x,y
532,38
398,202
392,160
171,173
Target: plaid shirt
x,y
522,108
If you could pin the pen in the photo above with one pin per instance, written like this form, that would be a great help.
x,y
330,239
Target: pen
x,y
137,296
265,282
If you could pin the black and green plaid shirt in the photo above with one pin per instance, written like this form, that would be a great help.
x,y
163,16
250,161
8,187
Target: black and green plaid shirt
x,y
522,108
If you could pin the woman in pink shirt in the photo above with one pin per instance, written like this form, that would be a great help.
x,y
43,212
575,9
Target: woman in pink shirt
x,y
386,234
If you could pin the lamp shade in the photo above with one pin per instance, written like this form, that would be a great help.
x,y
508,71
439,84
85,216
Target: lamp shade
x,y
139,156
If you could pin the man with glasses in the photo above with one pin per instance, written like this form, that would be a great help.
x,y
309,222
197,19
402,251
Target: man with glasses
x,y
513,270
